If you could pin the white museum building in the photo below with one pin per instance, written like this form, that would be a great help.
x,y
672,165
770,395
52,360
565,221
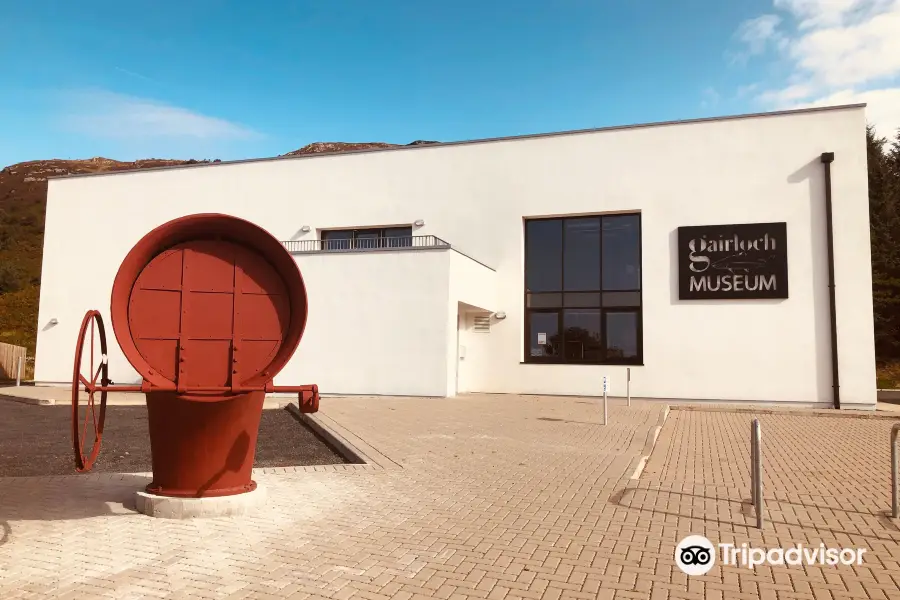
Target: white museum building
x,y
721,259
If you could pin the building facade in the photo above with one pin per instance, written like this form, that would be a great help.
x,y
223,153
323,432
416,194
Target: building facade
x,y
693,255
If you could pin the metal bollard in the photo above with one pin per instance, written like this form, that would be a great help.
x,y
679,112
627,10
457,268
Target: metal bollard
x,y
752,466
605,403
19,371
756,471
895,510
628,385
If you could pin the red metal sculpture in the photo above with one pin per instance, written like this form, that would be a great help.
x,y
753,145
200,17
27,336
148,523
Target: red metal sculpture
x,y
208,309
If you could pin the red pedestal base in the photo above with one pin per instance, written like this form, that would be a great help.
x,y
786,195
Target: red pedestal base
x,y
201,448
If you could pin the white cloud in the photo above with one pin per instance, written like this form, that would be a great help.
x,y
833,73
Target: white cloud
x,y
827,13
757,33
834,50
850,55
104,114
745,90
792,93
883,106
710,98
134,74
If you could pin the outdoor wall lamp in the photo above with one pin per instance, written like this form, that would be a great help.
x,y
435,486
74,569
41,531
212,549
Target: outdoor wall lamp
x,y
54,321
500,315
305,229
419,222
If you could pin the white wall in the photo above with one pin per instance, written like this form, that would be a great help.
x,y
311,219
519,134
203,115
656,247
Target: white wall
x,y
739,171
475,196
376,324
472,283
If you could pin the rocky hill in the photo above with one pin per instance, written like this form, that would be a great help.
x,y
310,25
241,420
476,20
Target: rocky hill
x,y
329,147
23,196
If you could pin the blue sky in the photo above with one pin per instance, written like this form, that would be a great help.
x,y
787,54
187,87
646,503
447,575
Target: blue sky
x,y
236,79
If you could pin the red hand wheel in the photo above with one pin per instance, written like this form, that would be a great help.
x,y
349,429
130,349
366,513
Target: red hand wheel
x,y
93,412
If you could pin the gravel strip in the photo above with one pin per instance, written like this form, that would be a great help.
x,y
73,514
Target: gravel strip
x,y
37,441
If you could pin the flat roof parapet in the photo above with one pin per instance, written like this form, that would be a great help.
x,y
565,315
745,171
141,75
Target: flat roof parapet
x,y
440,145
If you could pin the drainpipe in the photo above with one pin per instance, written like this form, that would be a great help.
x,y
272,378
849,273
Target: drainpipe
x,y
827,158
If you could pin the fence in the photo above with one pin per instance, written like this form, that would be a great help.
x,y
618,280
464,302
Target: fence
x,y
380,243
10,359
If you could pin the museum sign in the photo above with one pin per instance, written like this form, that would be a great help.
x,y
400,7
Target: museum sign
x,y
732,262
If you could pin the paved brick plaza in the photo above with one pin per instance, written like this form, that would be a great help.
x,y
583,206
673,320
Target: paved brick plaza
x,y
484,497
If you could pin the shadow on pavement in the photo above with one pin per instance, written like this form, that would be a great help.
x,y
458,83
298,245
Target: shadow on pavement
x,y
569,421
689,511
65,498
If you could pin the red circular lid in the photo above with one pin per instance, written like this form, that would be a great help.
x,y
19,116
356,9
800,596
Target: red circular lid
x,y
208,301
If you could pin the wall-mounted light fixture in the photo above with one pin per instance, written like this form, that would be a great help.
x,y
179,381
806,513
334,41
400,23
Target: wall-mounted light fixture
x,y
305,229
500,315
419,222
54,321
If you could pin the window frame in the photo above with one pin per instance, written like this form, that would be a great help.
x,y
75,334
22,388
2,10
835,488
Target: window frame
x,y
638,310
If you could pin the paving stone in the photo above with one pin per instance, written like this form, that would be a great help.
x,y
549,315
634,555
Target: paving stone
x,y
490,496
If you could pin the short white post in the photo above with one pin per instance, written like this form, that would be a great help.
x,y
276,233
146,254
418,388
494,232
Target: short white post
x,y
19,371
605,403
628,385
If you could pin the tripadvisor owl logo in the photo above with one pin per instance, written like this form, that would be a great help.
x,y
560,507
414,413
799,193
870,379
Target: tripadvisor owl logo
x,y
695,555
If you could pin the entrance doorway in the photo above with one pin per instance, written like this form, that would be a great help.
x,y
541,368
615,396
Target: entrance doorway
x,y
473,327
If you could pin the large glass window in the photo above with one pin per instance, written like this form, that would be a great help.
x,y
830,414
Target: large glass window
x,y
543,254
337,240
581,254
544,334
621,252
583,290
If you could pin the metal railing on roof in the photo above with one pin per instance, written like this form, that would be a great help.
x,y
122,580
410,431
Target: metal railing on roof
x,y
415,242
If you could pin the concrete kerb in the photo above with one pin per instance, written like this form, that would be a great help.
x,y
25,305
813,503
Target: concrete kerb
x,y
32,401
787,410
350,446
60,396
637,466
